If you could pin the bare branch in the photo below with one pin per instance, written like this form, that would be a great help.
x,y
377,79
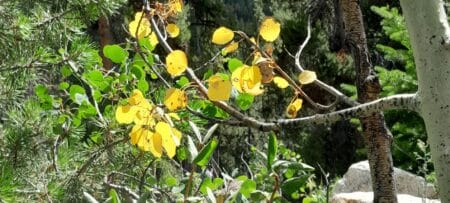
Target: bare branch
x,y
400,101
339,95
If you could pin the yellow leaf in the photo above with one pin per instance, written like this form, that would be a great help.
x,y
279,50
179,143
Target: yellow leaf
x,y
173,30
247,79
175,99
125,114
144,28
138,15
269,29
156,145
174,116
176,63
254,91
219,89
230,48
153,39
293,108
222,35
251,76
168,142
136,97
307,77
280,82
176,5
146,140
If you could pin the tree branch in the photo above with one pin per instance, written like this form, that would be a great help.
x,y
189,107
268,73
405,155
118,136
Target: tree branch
x,y
400,101
333,91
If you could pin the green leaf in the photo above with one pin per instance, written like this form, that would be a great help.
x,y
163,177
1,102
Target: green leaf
x,y
205,154
114,196
171,181
143,85
247,187
96,79
272,150
145,44
293,184
208,74
138,72
234,63
66,71
63,85
244,101
115,53
181,153
74,90
309,200
41,91
182,81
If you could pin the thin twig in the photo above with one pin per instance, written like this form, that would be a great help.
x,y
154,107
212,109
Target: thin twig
x,y
276,187
121,188
333,91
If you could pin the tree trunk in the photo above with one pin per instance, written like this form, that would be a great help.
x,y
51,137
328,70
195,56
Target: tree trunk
x,y
430,39
104,32
377,137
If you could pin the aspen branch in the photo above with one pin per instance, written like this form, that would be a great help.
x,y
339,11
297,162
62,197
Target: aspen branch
x,y
400,101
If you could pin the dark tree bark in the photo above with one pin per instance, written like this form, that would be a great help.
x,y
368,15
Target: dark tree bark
x,y
377,137
104,32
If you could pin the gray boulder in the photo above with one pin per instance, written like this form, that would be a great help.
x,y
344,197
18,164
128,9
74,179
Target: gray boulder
x,y
367,197
357,179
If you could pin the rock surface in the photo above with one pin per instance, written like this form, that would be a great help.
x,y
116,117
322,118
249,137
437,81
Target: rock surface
x,y
367,197
358,179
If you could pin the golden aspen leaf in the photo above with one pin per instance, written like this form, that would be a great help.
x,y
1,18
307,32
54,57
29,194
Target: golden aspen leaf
x,y
144,139
174,116
156,145
175,99
280,82
269,29
251,76
173,30
125,114
222,35
230,48
254,91
247,79
176,63
219,89
154,39
168,141
138,16
294,107
307,77
176,5
136,97
144,28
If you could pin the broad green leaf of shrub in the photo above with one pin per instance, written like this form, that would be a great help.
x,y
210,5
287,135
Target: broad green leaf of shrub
x,y
115,53
244,101
205,154
247,187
